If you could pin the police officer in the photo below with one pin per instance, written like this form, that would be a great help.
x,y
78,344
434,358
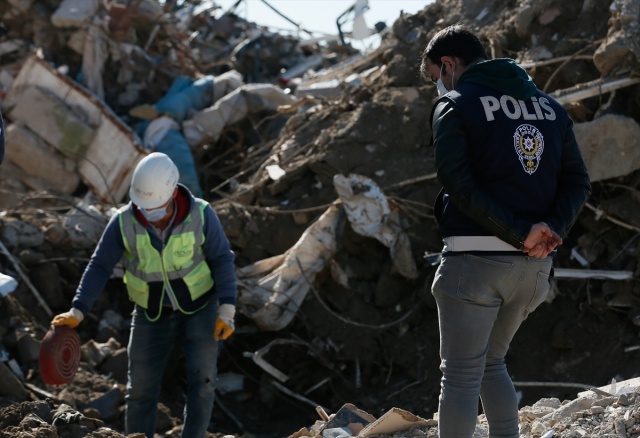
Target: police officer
x,y
179,272
513,182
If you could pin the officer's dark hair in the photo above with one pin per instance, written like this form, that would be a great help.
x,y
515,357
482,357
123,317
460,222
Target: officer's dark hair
x,y
456,40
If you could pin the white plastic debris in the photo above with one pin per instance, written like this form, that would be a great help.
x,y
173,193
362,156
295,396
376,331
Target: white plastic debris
x,y
273,289
369,214
7,284
275,172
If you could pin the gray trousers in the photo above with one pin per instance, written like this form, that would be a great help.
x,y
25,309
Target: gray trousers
x,y
482,300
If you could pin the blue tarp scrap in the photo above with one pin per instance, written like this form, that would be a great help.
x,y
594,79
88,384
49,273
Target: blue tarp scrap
x,y
186,95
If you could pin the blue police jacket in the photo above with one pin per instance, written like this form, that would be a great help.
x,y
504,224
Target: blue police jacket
x,y
506,157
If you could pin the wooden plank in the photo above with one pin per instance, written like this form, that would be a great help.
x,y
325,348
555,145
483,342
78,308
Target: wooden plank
x,y
592,89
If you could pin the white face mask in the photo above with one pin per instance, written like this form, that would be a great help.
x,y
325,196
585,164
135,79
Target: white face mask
x,y
154,215
442,90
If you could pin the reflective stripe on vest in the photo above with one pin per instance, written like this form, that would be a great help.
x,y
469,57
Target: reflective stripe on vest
x,y
181,260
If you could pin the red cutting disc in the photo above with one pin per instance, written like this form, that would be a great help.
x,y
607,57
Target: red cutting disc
x,y
59,355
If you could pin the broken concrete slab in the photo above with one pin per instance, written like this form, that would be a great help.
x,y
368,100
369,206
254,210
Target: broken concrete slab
x,y
610,146
84,225
7,47
30,152
114,149
75,13
16,233
21,5
615,388
47,115
611,53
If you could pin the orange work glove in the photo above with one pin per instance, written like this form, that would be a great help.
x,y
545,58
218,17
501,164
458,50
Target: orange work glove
x,y
71,318
224,322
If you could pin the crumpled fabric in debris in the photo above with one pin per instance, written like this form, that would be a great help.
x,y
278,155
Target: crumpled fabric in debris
x,y
157,129
370,215
208,124
275,287
186,95
65,414
176,147
163,135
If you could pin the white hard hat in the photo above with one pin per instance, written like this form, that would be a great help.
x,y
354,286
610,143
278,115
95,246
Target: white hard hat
x,y
154,180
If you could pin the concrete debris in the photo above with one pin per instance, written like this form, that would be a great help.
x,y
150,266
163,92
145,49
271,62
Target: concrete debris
x,y
621,134
591,413
36,159
77,125
317,159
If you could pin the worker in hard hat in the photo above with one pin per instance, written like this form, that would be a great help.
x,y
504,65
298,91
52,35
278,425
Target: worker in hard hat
x,y
179,272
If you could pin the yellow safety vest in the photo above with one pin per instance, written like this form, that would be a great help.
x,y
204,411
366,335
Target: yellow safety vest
x,y
180,269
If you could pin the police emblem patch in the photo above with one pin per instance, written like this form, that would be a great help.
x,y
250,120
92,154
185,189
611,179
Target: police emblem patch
x,y
529,144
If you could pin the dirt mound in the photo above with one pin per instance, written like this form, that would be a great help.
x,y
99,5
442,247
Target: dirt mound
x,y
363,331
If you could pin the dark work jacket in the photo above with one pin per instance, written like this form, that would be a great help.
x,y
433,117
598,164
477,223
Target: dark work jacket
x,y
110,250
505,163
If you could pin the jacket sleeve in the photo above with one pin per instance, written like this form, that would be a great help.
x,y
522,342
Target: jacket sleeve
x,y
455,175
574,186
107,254
220,258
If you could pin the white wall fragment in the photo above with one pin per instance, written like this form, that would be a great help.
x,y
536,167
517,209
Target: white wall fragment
x,y
75,13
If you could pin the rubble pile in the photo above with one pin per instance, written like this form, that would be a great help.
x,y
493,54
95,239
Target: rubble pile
x,y
317,159
595,413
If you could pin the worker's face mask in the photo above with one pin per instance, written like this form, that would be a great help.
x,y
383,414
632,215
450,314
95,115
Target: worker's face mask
x,y
155,215
442,90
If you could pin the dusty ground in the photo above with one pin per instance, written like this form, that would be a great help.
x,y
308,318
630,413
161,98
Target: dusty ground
x,y
374,344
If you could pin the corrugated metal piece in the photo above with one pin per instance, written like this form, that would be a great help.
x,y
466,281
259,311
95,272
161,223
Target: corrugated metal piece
x,y
115,149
